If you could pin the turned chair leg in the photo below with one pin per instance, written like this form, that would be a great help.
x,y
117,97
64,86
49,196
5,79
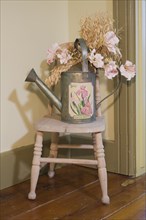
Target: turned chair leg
x,y
36,165
94,145
102,172
53,153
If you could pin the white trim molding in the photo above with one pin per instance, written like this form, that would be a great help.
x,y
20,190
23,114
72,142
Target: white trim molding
x,y
140,87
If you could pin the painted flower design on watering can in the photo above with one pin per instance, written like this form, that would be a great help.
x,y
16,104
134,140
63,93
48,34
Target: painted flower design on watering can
x,y
81,100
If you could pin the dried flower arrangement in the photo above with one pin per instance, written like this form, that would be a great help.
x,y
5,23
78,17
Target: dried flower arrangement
x,y
104,53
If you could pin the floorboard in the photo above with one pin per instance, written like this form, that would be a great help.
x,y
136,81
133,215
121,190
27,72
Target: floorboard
x,y
74,194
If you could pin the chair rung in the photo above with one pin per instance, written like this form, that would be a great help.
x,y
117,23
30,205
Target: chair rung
x,y
73,146
70,161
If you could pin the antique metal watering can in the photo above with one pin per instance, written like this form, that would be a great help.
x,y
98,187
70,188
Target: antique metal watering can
x,y
77,103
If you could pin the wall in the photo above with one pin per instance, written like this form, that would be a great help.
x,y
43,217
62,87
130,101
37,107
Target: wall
x,y
28,28
140,88
76,11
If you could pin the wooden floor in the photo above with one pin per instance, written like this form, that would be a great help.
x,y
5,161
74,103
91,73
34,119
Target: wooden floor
x,y
74,194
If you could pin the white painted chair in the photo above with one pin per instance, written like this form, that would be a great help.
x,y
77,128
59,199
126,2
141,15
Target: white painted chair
x,y
55,126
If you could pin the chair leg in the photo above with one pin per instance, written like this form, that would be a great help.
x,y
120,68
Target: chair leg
x,y
53,153
35,165
102,172
94,145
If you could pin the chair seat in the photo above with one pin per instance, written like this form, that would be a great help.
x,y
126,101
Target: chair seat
x,y
47,124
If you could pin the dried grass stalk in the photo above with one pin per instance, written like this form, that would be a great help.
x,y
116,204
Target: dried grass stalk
x,y
55,76
94,28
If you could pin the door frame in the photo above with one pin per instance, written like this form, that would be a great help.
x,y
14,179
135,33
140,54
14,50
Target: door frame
x,y
125,103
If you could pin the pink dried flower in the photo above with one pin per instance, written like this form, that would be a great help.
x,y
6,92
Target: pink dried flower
x,y
96,59
64,56
111,70
51,53
111,41
102,43
128,70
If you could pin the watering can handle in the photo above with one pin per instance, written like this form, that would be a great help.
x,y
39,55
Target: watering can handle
x,y
84,50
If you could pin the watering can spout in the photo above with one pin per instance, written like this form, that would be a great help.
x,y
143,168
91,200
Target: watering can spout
x,y
32,77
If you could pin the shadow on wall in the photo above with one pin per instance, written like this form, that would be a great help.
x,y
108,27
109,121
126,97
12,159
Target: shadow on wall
x,y
21,158
35,98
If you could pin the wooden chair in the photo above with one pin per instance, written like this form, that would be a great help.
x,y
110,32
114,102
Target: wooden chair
x,y
56,127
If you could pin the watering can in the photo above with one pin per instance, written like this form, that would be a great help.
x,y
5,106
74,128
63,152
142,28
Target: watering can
x,y
77,103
